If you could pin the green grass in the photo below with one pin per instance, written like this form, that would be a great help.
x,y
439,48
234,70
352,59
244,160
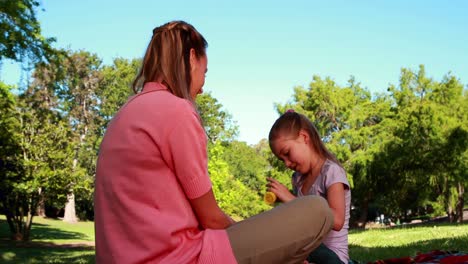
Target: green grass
x,y
371,245
52,240
46,255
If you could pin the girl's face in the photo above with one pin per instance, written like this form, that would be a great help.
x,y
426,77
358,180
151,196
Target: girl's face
x,y
297,154
199,67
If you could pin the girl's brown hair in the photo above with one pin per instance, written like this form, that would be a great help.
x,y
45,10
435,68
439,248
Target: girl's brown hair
x,y
291,123
167,58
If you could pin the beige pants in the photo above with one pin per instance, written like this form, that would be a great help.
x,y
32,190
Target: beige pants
x,y
283,235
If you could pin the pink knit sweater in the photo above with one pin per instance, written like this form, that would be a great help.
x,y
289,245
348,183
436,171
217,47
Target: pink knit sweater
x,y
152,160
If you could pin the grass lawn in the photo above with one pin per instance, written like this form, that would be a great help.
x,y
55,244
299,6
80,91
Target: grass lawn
x,y
53,241
375,244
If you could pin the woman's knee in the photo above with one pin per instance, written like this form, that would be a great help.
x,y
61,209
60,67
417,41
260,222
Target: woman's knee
x,y
314,206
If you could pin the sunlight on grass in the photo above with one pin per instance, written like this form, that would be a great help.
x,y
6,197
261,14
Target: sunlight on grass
x,y
406,241
64,232
364,245
56,231
8,256
51,231
405,236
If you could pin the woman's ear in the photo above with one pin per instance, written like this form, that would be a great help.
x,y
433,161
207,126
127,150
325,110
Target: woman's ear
x,y
193,60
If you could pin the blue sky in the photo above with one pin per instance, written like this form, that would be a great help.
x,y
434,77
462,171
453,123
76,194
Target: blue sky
x,y
260,50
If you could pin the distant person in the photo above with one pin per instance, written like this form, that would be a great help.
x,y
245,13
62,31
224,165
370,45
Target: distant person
x,y
294,140
154,201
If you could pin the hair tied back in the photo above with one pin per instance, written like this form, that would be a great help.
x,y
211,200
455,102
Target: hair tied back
x,y
290,111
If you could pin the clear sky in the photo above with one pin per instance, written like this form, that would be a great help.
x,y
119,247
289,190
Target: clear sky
x,y
260,50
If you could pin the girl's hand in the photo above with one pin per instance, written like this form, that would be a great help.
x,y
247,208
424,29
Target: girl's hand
x,y
279,190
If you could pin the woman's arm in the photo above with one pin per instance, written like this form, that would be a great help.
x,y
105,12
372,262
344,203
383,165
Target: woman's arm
x,y
208,212
336,201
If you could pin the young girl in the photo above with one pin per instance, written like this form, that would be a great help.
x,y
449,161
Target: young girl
x,y
294,140
154,201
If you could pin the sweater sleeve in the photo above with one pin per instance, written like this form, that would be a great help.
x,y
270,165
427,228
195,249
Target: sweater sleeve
x,y
187,143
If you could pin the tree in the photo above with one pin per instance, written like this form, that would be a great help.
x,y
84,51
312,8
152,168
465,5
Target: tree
x,y
10,159
233,196
39,165
246,165
78,92
115,87
73,79
217,122
234,169
432,138
21,32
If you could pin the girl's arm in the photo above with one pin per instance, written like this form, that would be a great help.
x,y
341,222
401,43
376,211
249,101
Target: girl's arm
x,y
279,190
336,201
208,212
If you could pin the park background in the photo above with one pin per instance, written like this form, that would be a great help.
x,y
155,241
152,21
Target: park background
x,y
385,84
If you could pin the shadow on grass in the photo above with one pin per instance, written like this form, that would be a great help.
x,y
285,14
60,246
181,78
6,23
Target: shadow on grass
x,y
368,254
12,254
44,232
45,252
357,230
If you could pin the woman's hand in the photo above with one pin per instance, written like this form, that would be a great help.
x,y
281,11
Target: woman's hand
x,y
279,190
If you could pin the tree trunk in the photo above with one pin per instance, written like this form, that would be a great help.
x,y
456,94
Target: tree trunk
x,y
17,236
15,230
40,210
27,226
361,222
460,203
448,201
70,214
449,212
17,227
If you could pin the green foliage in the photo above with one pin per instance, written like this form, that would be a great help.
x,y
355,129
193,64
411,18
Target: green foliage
x,y
115,86
275,168
246,165
217,122
236,170
431,138
234,197
21,32
74,82
40,166
10,151
9,125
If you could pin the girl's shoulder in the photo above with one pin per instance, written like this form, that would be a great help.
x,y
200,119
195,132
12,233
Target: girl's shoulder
x,y
332,172
332,167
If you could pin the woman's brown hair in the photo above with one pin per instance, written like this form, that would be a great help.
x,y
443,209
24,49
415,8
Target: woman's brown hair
x,y
167,58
